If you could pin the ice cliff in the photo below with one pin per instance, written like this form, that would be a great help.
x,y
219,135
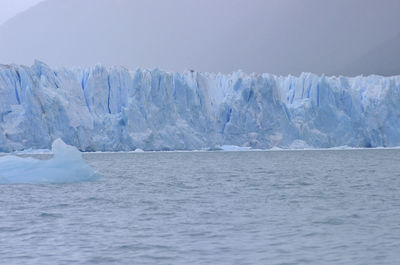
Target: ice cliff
x,y
114,109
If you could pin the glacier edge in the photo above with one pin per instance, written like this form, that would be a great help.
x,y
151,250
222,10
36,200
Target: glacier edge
x,y
115,109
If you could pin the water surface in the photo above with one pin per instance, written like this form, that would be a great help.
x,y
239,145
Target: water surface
x,y
283,207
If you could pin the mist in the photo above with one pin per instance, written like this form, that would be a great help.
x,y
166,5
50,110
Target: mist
x,y
275,36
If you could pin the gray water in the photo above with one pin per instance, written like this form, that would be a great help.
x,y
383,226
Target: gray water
x,y
285,207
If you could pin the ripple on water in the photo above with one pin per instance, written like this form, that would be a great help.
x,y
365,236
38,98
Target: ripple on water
x,y
50,215
309,207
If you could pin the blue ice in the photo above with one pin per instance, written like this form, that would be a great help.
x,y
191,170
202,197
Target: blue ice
x,y
66,166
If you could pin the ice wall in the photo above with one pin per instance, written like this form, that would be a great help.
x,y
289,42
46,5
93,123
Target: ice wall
x,y
114,109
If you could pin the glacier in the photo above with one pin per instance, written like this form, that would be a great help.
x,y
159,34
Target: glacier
x,y
66,166
115,109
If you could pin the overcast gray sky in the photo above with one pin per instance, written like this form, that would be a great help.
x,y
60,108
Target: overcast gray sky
x,y
9,8
277,36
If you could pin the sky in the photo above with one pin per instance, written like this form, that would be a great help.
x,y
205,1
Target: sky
x,y
10,8
275,36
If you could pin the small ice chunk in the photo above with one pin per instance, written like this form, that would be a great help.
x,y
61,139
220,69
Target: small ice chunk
x,y
138,150
299,144
66,166
234,148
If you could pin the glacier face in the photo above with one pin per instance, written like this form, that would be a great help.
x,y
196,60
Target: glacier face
x,y
114,109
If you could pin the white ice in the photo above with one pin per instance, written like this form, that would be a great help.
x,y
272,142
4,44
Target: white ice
x,y
115,109
234,148
66,166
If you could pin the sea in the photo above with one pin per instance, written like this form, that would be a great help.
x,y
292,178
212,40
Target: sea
x,y
250,207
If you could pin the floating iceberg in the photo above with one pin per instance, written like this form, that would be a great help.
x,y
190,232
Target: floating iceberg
x,y
66,166
115,109
234,148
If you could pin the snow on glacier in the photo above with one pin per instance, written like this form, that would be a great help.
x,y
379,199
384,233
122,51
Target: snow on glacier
x,y
66,166
115,109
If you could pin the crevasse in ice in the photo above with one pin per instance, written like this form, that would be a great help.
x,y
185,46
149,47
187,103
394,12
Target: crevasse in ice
x,y
115,109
